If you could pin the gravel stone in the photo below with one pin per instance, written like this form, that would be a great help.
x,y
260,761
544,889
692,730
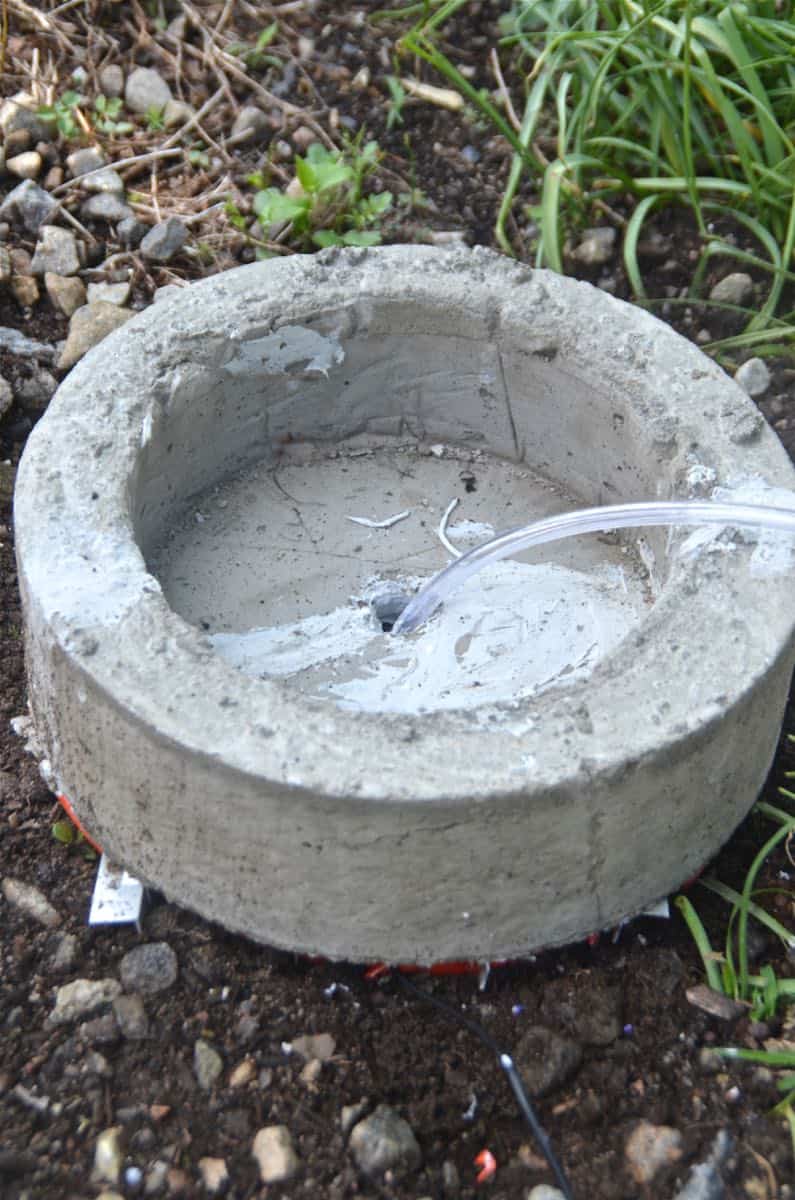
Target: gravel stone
x,y
88,326
26,165
250,125
177,112
207,1064
273,1150
214,1174
544,1191
145,89
16,343
65,953
6,397
650,1147
715,1003
150,968
56,251
101,1031
88,158
384,1142
30,901
113,293
105,206
164,240
106,180
130,232
80,997
596,246
18,112
67,295
753,376
111,80
704,1181
546,1059
36,392
736,288
243,1073
313,1046
53,179
5,265
25,290
108,1156
28,204
131,1017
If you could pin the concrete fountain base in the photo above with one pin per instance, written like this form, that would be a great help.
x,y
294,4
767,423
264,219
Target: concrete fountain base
x,y
608,711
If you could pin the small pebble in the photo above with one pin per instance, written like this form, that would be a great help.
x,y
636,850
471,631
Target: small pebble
x,y
214,1174
131,1017
384,1142
207,1064
25,290
111,80
80,997
25,166
735,288
753,376
56,252
108,1156
596,246
66,293
30,901
651,1147
163,241
146,89
276,1158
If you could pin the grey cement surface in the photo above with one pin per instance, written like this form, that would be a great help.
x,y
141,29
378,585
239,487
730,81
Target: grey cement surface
x,y
482,832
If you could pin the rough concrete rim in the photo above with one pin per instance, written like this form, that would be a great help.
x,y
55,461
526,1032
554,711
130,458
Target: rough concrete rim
x,y
423,858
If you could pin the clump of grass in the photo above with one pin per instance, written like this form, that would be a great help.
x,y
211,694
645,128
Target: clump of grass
x,y
688,102
729,972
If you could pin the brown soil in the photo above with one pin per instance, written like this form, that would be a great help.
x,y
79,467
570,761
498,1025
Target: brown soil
x,y
248,1002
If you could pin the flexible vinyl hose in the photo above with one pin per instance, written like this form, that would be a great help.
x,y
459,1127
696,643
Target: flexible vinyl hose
x,y
584,520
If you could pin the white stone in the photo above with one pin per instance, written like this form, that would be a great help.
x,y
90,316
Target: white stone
x,y
24,896
273,1150
753,376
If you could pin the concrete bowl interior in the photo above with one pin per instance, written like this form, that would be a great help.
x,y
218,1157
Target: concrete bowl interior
x,y
392,378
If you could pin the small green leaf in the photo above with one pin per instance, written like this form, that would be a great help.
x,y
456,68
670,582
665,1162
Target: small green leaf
x,y
306,174
361,238
272,206
64,832
331,175
326,237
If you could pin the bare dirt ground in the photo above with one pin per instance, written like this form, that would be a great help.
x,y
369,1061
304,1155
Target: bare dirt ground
x,y
165,1089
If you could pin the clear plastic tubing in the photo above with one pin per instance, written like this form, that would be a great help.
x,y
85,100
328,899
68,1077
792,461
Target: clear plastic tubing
x,y
584,520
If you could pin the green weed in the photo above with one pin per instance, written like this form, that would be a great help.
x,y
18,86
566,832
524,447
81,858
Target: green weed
x,y
327,207
106,114
61,114
729,972
255,56
688,102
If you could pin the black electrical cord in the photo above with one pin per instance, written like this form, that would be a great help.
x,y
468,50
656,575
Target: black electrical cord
x,y
514,1079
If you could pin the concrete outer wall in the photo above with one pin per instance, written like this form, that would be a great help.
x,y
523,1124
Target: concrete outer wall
x,y
366,836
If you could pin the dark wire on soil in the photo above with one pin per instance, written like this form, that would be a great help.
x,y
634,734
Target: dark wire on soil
x,y
514,1079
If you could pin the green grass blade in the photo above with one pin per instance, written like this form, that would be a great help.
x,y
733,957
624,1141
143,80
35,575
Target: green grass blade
x,y
786,936
699,936
631,235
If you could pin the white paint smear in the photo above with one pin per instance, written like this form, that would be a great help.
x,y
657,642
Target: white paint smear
x,y
510,632
293,347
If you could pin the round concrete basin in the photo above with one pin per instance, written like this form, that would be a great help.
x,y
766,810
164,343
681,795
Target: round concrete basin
x,y
209,563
